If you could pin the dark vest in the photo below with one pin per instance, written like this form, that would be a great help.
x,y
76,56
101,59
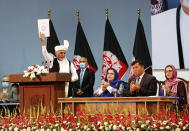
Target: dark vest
x,y
56,67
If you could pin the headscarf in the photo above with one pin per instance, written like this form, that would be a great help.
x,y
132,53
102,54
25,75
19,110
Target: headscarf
x,y
113,83
173,82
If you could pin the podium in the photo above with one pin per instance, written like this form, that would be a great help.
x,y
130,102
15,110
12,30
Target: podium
x,y
45,89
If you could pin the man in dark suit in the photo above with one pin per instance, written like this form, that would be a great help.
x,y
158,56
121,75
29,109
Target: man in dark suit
x,y
8,92
83,87
141,84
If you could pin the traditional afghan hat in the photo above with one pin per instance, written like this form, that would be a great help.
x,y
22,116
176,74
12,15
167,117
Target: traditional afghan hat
x,y
62,47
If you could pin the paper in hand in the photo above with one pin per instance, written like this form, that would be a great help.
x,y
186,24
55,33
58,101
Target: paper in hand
x,y
43,27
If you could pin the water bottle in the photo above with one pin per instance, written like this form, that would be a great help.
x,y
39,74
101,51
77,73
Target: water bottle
x,y
162,92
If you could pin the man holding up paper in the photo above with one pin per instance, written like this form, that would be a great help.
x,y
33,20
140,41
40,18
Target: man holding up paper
x,y
60,62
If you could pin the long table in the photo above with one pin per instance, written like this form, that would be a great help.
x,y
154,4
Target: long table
x,y
133,105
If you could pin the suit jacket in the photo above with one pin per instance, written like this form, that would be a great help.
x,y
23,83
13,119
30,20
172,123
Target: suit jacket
x,y
12,93
148,86
87,84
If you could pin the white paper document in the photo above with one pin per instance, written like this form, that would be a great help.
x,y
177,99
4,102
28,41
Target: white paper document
x,y
43,27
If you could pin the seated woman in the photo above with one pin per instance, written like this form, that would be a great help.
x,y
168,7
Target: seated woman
x,y
174,86
111,85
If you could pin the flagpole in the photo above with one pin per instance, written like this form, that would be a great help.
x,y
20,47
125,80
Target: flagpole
x,y
49,14
106,13
77,13
138,12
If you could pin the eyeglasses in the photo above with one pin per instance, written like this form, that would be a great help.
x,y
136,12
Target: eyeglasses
x,y
169,71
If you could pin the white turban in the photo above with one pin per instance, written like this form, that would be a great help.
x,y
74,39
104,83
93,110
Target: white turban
x,y
62,47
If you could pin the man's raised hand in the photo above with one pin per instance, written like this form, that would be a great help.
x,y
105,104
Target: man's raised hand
x,y
42,38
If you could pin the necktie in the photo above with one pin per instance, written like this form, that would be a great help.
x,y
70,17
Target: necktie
x,y
137,81
81,77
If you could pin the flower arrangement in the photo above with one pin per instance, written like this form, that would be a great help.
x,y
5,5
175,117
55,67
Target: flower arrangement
x,y
34,70
49,121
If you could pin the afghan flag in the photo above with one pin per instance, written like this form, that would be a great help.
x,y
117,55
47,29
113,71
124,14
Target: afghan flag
x,y
52,41
158,6
82,49
140,49
113,56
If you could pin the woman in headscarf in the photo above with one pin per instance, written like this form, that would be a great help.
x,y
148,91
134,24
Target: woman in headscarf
x,y
111,85
174,86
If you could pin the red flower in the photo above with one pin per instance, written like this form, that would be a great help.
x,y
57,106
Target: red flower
x,y
30,70
154,2
163,113
90,118
173,117
109,117
145,117
138,118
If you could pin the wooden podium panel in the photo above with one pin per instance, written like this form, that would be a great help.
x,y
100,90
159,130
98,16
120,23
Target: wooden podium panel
x,y
33,96
44,89
106,105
